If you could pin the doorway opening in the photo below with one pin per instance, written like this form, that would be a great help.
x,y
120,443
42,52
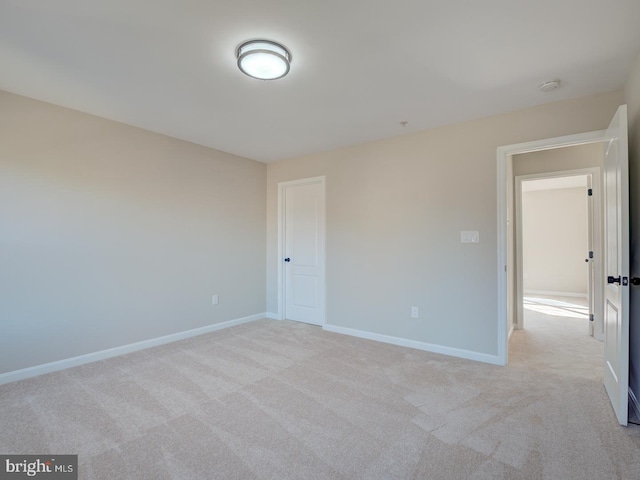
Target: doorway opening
x,y
557,255
558,248
507,170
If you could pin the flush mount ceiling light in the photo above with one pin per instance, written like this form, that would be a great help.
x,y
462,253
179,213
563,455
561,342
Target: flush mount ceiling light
x,y
263,59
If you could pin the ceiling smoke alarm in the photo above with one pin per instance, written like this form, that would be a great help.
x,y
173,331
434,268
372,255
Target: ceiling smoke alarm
x,y
549,86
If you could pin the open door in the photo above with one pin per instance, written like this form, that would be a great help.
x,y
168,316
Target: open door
x,y
616,262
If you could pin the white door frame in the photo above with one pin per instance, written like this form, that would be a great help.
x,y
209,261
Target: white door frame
x,y
596,233
503,154
282,187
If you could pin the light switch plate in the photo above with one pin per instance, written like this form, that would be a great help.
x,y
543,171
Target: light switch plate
x,y
470,236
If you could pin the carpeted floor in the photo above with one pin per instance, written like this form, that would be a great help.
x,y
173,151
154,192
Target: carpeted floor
x,y
283,400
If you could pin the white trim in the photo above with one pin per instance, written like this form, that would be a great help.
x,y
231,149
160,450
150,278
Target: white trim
x,y
427,347
518,245
556,294
502,153
116,351
272,316
503,219
282,186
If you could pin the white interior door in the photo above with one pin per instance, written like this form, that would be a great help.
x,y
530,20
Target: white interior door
x,y
304,252
616,261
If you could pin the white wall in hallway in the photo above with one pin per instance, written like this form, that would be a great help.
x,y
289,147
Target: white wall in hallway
x,y
555,240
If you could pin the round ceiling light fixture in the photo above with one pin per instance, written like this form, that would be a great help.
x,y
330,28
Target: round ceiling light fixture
x,y
263,59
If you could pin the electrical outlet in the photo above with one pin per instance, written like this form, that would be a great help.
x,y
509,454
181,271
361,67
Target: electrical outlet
x,y
214,299
414,312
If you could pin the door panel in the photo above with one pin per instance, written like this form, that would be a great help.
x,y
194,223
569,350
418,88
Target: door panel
x,y
616,261
305,291
613,340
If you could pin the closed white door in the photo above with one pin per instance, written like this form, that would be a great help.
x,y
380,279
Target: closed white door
x,y
616,261
304,252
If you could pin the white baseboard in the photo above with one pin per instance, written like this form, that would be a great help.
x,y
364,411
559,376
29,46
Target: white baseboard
x,y
556,294
272,316
114,352
427,347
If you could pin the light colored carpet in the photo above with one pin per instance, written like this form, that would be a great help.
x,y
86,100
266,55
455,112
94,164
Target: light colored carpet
x,y
283,400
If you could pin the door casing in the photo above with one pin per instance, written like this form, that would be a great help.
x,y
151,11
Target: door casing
x,y
596,233
504,154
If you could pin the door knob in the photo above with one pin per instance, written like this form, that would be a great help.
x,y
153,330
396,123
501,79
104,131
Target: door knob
x,y
611,279
635,281
287,259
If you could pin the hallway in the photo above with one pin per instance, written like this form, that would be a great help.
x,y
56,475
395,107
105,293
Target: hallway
x,y
555,338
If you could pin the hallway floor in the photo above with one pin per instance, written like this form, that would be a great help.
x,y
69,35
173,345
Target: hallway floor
x,y
555,335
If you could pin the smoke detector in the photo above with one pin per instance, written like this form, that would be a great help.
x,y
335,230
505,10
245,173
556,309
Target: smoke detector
x,y
549,86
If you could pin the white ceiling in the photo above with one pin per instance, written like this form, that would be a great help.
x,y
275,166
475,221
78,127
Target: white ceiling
x,y
359,67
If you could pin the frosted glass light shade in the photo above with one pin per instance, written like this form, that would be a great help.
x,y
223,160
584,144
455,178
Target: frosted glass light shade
x,y
263,59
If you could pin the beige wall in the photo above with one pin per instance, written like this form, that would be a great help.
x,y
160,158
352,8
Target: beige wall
x,y
559,159
111,234
555,240
395,210
632,98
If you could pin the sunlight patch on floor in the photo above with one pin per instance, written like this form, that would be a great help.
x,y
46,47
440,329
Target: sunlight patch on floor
x,y
556,308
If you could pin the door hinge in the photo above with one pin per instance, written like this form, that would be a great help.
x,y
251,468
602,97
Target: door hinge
x,y
590,192
591,319
591,254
